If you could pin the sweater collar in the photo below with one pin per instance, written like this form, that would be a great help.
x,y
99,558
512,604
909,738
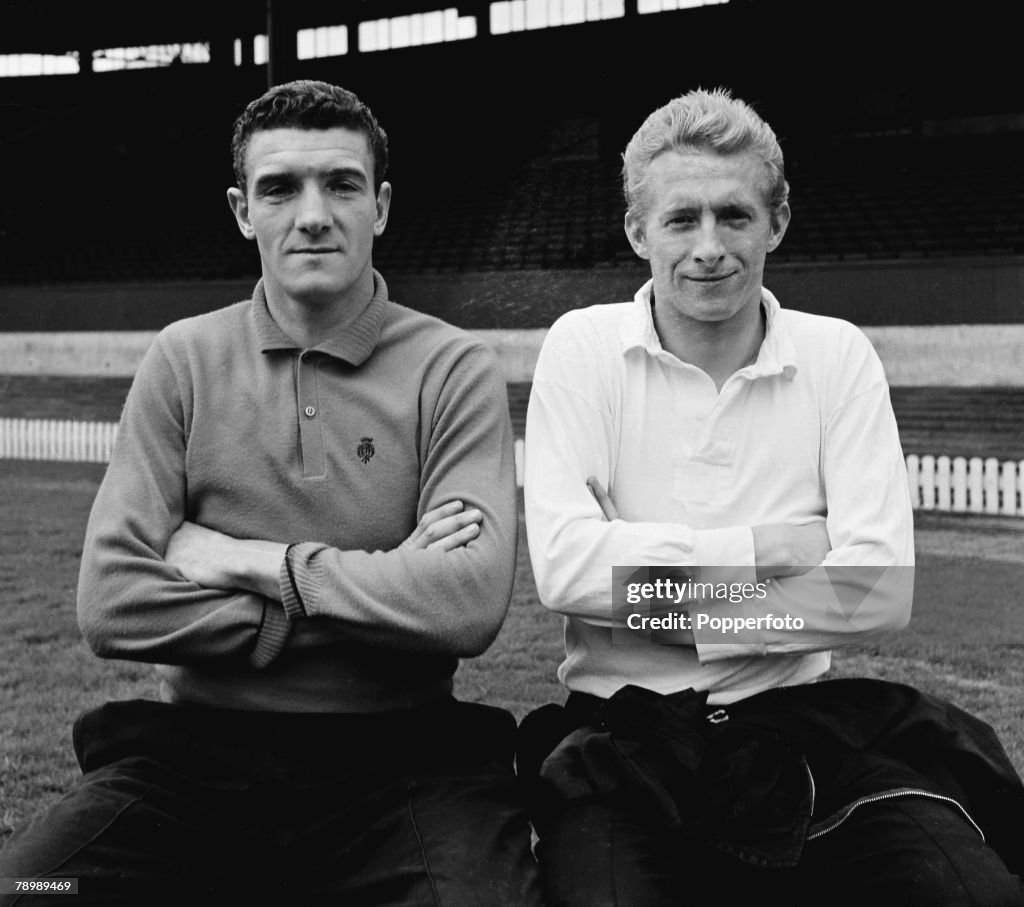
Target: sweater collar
x,y
353,345
775,356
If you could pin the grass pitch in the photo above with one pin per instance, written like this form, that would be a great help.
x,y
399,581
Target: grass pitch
x,y
966,641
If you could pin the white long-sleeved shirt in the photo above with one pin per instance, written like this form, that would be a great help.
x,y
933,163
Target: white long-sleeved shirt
x,y
804,433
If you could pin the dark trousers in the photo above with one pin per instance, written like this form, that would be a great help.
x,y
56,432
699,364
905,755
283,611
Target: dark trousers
x,y
649,800
911,851
185,805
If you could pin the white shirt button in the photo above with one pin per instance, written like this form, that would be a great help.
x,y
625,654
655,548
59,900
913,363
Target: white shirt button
x,y
310,411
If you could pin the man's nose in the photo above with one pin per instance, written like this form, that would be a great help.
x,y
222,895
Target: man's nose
x,y
314,215
708,250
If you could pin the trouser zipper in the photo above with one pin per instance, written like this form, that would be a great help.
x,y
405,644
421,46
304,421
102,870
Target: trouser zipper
x,y
834,821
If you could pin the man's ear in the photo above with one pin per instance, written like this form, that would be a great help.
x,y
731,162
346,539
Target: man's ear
x,y
636,236
779,222
380,221
239,205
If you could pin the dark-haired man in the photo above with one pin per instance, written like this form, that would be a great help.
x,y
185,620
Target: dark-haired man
x,y
747,457
309,518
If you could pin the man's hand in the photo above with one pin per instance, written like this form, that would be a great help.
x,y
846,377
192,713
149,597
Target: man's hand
x,y
218,561
784,549
446,527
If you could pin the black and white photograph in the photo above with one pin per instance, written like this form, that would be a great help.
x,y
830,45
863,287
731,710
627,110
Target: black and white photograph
x,y
529,453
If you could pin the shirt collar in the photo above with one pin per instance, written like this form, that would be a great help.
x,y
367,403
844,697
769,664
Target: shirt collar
x,y
775,356
354,345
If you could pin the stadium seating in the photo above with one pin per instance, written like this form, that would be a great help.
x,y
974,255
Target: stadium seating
x,y
151,206
128,171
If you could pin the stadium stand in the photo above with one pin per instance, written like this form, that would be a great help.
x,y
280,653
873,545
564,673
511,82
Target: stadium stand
x,y
545,206
908,196
894,161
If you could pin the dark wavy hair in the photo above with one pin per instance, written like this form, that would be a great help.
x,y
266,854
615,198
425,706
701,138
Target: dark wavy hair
x,y
305,104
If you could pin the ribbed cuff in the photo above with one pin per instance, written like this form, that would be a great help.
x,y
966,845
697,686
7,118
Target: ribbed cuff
x,y
272,636
290,596
301,579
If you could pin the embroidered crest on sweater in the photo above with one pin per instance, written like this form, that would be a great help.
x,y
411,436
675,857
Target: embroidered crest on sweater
x,y
365,449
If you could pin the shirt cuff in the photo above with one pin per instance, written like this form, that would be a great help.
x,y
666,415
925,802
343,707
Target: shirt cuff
x,y
710,649
724,556
272,635
731,550
290,598
300,579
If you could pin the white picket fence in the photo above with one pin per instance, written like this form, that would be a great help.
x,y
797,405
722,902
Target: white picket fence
x,y
957,485
57,439
962,485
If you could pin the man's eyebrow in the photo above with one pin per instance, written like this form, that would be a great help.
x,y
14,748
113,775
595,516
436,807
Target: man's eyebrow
x,y
275,177
345,173
682,207
734,205
272,178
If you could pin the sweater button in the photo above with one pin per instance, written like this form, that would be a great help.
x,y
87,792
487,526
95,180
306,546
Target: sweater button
x,y
310,411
